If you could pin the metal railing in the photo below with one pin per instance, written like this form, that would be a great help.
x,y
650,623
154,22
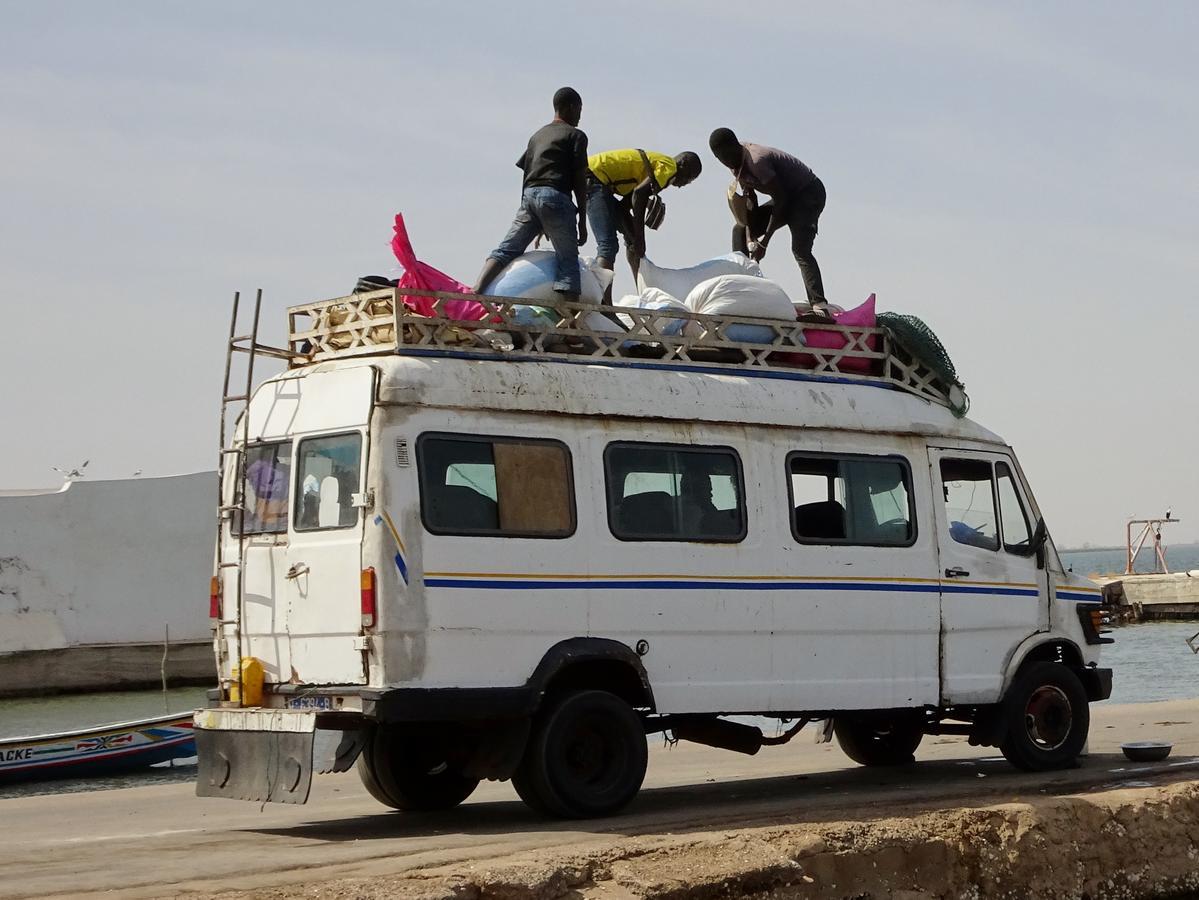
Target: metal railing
x,y
374,323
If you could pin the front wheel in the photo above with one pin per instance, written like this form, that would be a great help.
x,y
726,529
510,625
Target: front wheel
x,y
412,770
874,741
1045,717
586,757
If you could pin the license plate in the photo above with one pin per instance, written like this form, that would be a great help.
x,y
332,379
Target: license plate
x,y
309,703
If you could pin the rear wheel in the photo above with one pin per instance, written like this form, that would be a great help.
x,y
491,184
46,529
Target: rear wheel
x,y
413,770
523,785
879,741
1046,718
586,757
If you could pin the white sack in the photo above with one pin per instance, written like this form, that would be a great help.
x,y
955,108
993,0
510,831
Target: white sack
x,y
743,295
680,282
655,299
532,275
597,321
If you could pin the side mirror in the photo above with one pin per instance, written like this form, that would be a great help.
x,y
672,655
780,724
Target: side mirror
x,y
1036,543
1039,536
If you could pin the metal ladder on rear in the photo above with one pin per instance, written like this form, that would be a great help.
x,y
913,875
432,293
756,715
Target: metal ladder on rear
x,y
234,511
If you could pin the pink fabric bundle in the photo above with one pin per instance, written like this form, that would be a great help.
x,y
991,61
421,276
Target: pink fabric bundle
x,y
862,316
419,276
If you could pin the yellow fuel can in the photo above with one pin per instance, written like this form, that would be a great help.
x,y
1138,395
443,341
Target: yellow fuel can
x,y
248,676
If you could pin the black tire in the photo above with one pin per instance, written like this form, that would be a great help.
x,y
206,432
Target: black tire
x,y
366,773
522,783
586,757
410,771
879,741
1046,718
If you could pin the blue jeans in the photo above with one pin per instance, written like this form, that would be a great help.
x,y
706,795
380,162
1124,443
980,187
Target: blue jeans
x,y
549,211
602,206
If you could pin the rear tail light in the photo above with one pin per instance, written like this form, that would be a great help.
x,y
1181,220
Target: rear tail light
x,y
214,599
367,586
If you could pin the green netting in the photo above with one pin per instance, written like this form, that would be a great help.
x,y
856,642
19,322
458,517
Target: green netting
x,y
922,343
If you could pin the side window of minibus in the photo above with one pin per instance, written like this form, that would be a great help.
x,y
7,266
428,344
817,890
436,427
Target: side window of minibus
x,y
503,487
970,502
328,474
1016,532
268,486
864,501
661,492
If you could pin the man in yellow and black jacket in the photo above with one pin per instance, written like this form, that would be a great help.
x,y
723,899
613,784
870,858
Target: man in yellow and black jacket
x,y
622,196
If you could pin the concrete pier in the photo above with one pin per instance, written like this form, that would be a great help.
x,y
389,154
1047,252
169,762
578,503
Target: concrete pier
x,y
1149,598
105,667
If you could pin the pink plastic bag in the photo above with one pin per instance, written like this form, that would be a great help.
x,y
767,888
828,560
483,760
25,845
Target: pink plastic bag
x,y
419,276
862,316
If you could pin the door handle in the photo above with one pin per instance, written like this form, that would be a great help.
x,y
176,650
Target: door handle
x,y
296,571
956,573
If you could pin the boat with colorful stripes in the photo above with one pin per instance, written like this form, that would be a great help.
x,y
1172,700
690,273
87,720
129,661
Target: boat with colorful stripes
x,y
99,750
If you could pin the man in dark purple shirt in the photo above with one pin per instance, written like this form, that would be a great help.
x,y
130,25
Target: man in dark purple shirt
x,y
796,200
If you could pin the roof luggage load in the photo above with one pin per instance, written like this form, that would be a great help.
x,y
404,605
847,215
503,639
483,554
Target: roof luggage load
x,y
374,323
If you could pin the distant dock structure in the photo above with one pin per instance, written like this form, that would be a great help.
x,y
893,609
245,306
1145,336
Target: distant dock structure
x,y
1160,595
1150,528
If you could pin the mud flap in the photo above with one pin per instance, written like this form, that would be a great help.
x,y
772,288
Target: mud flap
x,y
336,750
248,754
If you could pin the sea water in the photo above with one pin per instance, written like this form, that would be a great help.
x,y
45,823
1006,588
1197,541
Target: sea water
x,y
1179,557
71,712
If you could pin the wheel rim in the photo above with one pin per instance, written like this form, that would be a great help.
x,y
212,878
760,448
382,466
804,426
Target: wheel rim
x,y
594,758
1048,717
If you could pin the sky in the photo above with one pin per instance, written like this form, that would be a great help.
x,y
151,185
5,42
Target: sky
x,y
1022,176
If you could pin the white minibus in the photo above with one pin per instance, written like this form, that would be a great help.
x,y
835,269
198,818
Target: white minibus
x,y
461,551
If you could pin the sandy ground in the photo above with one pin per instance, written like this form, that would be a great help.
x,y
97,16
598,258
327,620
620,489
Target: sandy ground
x,y
799,820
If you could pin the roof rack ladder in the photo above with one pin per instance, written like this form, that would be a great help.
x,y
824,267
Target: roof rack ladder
x,y
234,511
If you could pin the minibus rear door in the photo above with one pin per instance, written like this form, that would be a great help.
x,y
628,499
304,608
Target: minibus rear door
x,y
324,617
303,614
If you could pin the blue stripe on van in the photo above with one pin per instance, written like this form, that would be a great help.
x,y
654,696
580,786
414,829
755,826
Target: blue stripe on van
x,y
547,584
403,568
1009,592
1079,598
622,585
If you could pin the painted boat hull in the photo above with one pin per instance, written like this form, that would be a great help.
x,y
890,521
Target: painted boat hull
x,y
98,751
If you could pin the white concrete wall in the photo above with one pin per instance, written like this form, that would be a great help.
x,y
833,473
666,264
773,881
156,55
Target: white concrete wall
x,y
1177,587
107,562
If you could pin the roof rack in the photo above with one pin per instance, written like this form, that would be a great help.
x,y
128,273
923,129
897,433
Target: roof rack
x,y
374,323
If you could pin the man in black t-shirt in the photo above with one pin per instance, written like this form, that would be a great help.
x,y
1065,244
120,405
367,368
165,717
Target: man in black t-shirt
x,y
555,165
796,200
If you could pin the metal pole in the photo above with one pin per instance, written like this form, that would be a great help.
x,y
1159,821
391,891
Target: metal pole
x,y
1128,547
219,642
241,532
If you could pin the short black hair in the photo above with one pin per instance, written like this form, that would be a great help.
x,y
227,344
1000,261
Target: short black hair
x,y
689,163
722,137
566,98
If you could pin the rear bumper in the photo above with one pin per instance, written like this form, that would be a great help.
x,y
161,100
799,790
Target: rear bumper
x,y
400,704
269,755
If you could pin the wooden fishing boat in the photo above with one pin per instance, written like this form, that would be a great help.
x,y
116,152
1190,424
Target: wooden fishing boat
x,y
100,750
